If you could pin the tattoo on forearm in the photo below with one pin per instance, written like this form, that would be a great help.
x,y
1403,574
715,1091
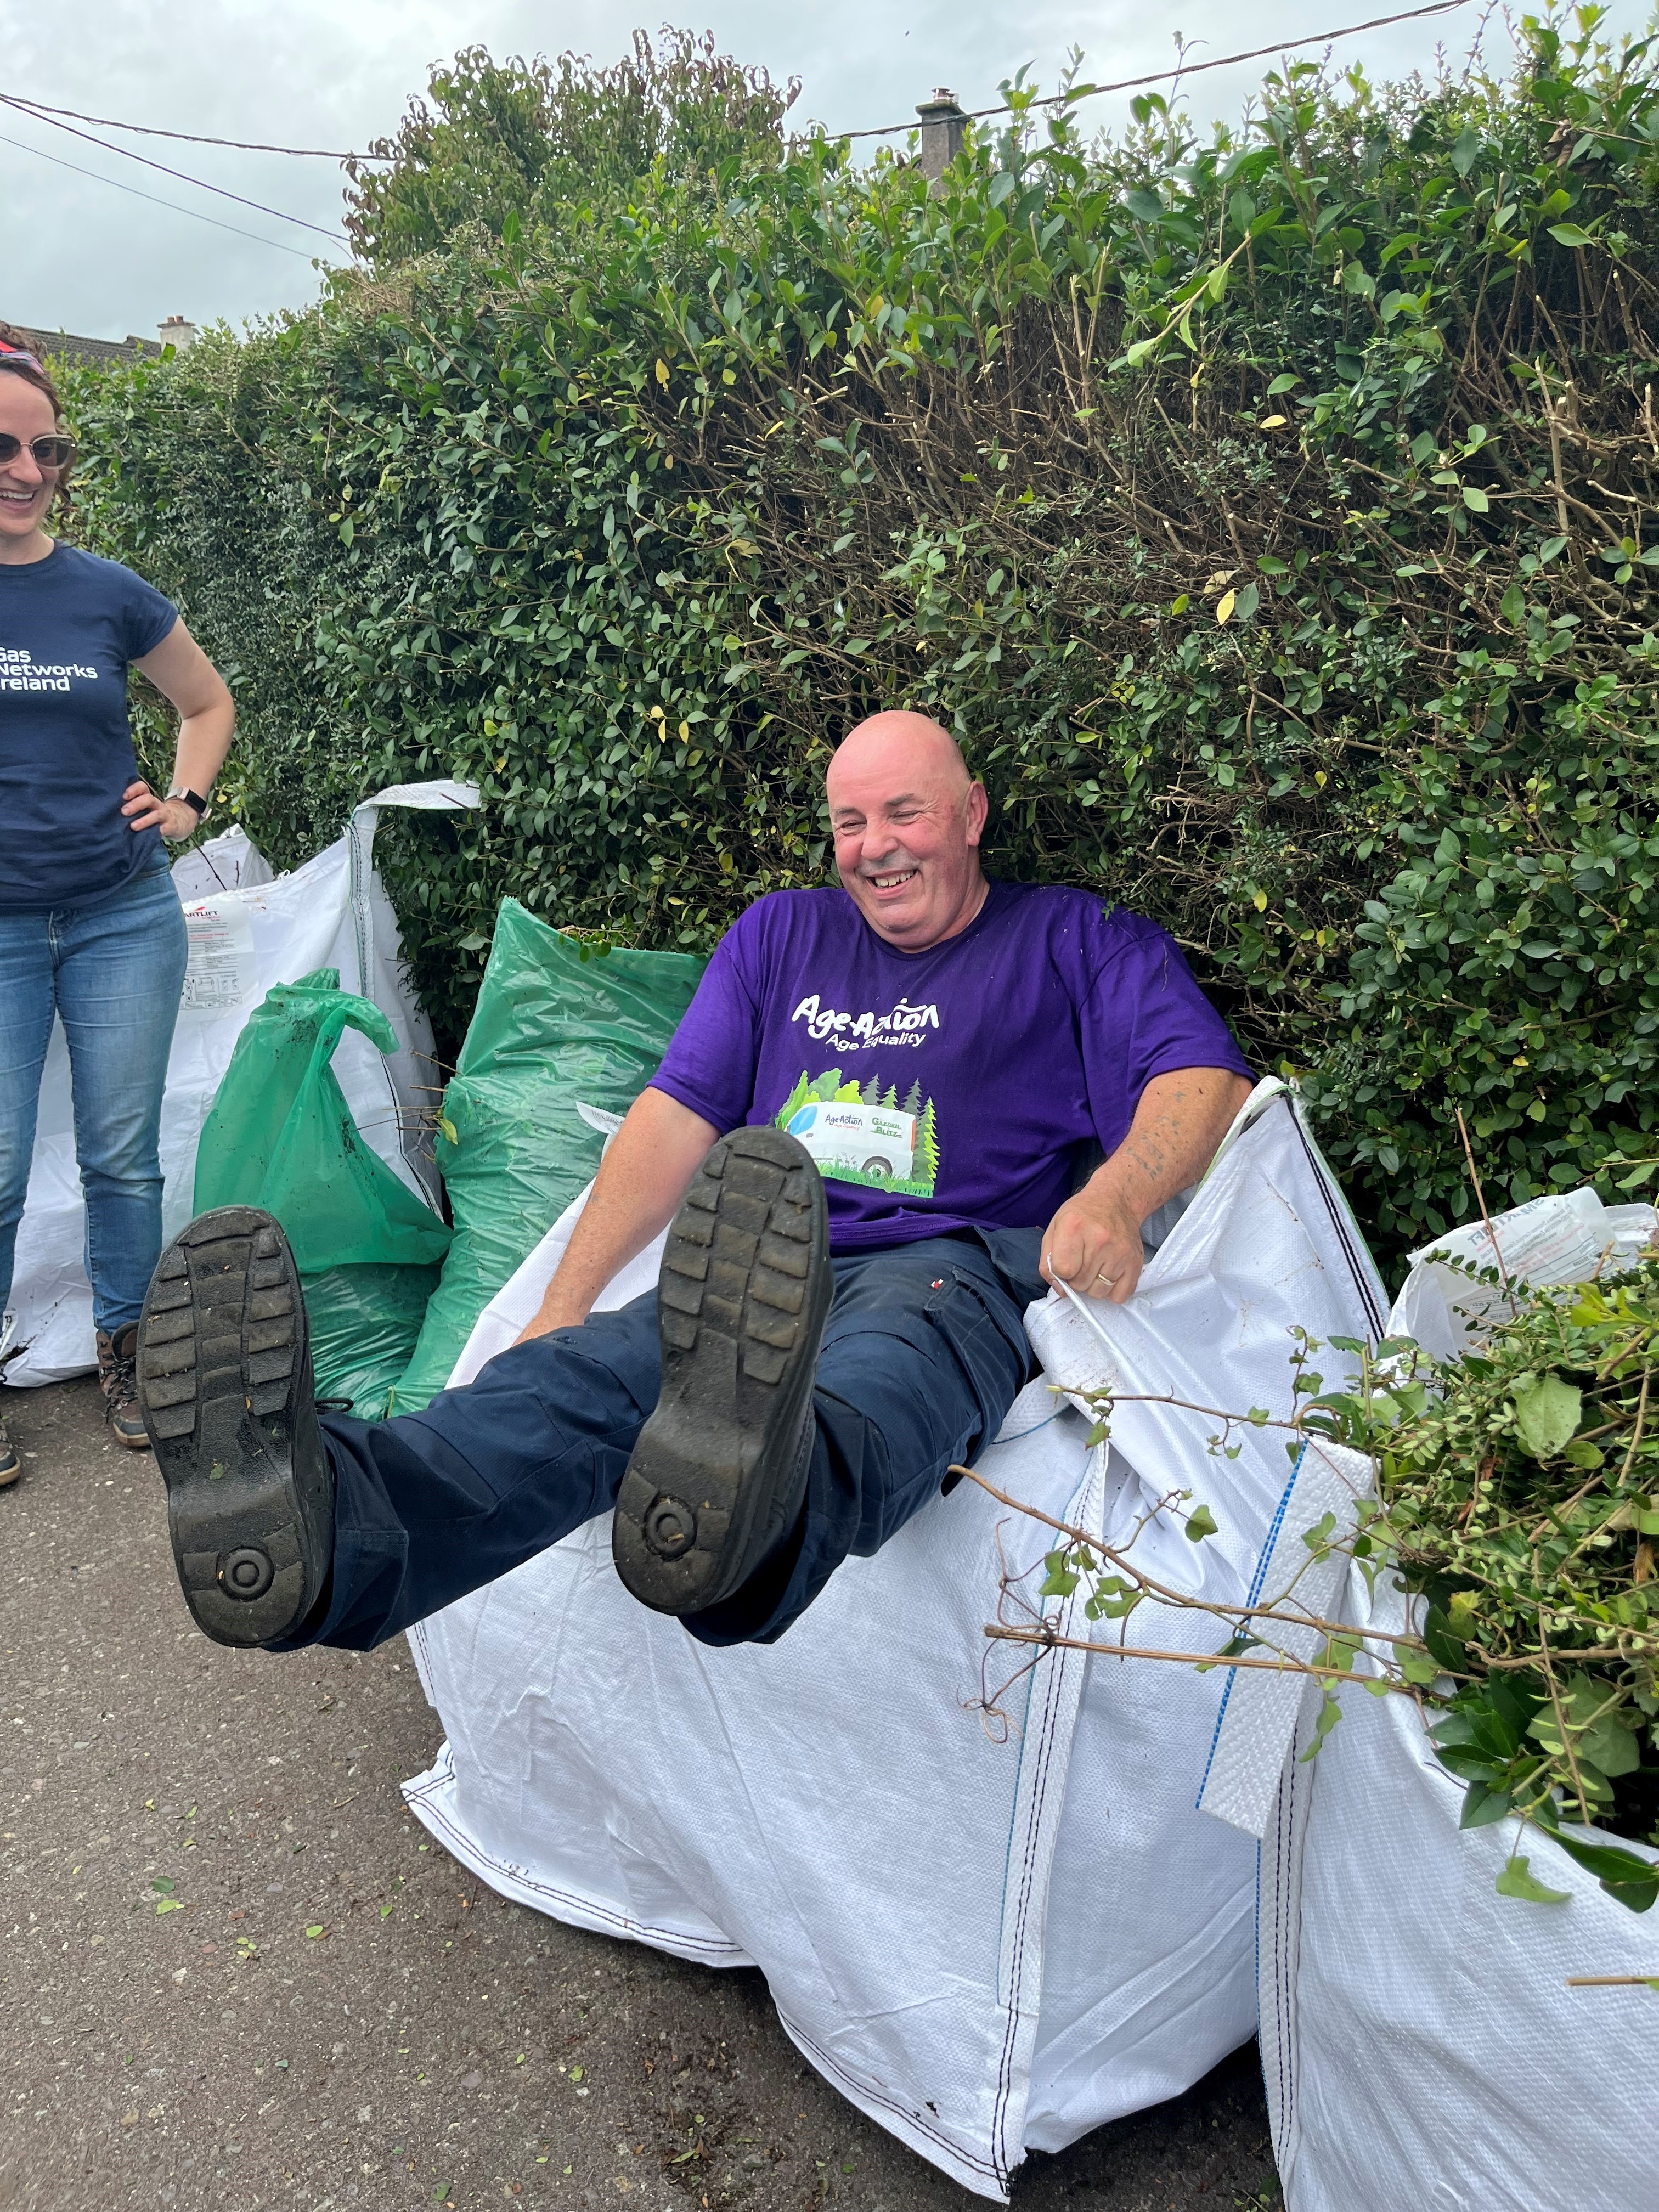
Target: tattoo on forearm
x,y
1165,1152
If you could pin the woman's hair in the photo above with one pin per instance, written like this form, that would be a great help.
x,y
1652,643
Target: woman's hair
x,y
18,358
13,343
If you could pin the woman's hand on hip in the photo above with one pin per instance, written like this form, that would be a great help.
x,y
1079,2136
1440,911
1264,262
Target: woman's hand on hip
x,y
145,810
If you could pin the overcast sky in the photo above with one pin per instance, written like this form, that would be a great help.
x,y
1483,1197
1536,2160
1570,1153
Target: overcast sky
x,y
82,255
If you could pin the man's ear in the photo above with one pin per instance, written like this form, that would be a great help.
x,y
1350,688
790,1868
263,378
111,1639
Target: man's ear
x,y
978,809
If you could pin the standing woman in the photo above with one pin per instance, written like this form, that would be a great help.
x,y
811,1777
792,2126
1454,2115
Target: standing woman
x,y
91,928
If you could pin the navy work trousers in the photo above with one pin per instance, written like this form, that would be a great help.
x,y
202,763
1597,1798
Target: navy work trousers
x,y
923,1354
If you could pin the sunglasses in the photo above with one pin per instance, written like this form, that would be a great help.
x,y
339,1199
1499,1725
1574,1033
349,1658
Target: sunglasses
x,y
53,452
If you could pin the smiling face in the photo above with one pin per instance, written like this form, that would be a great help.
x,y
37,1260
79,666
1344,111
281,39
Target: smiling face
x,y
25,488
908,819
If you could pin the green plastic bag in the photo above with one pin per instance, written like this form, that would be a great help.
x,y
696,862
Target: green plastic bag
x,y
365,1322
553,1029
280,1136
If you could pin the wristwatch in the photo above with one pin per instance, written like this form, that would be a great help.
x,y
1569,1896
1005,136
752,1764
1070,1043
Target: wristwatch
x,y
193,799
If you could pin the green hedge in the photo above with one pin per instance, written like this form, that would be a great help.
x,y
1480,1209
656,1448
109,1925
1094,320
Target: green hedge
x,y
1269,515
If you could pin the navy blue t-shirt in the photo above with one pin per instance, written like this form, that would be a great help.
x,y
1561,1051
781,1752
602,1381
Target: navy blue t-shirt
x,y
69,627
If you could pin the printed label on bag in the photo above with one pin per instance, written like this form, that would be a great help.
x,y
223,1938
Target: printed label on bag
x,y
223,971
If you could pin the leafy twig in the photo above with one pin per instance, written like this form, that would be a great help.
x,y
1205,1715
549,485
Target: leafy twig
x,y
1282,1663
1481,1199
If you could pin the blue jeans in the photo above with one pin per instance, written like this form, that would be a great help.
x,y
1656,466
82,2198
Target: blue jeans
x,y
113,974
923,1354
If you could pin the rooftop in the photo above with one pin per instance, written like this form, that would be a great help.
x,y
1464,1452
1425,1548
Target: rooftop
x,y
90,352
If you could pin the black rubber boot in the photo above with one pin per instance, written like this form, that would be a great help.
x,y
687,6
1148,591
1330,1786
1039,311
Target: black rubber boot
x,y
224,1386
718,1475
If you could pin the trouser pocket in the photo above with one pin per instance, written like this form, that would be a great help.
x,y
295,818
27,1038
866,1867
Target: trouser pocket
x,y
987,1340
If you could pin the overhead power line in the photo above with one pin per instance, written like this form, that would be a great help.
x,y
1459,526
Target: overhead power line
x,y
40,111
40,108
190,138
127,154
1186,69
235,229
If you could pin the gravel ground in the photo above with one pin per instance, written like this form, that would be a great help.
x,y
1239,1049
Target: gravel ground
x,y
234,1971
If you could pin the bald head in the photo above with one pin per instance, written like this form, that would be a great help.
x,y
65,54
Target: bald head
x,y
907,818
903,746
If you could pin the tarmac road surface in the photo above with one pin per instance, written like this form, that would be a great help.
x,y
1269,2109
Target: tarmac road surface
x,y
235,1972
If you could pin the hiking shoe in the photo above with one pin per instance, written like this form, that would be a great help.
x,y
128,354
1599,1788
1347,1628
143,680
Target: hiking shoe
x,y
224,1385
117,1359
10,1466
718,1475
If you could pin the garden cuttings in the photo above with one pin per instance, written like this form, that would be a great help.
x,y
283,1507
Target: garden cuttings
x,y
1518,1498
1518,1494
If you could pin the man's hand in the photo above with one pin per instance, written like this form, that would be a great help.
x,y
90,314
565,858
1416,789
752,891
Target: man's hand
x,y
1093,1243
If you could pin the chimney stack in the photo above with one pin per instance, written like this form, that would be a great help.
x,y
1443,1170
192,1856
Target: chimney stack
x,y
178,333
942,123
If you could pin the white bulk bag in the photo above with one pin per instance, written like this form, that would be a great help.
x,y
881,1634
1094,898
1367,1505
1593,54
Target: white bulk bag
x,y
1419,2042
988,1945
331,913
1565,1238
228,862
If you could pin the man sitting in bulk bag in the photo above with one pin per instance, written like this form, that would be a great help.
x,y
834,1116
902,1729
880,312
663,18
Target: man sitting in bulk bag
x,y
878,1096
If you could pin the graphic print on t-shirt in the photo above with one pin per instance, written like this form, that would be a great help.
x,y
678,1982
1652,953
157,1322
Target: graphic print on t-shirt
x,y
859,1132
904,1025
20,672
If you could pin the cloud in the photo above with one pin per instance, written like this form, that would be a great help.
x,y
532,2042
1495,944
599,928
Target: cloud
x,y
83,255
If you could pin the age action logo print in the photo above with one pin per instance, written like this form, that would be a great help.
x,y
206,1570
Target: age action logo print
x,y
905,1025
859,1133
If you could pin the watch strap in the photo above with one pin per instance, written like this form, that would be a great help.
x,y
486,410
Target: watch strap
x,y
193,799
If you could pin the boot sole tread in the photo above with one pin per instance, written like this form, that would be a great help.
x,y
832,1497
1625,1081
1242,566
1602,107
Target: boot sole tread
x,y
222,1355
740,1313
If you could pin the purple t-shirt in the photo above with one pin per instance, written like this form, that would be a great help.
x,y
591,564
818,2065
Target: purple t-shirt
x,y
944,1090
